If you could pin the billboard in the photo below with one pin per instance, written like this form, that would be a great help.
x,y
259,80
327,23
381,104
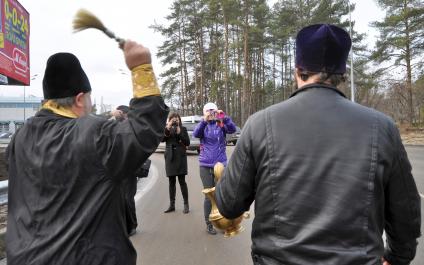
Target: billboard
x,y
14,43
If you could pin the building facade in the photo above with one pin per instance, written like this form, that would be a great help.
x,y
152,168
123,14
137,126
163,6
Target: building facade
x,y
15,110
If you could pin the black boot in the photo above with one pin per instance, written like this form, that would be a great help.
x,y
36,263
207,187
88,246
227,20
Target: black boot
x,y
172,191
184,192
186,208
171,208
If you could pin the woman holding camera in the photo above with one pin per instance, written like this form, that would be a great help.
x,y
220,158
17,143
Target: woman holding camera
x,y
212,131
176,138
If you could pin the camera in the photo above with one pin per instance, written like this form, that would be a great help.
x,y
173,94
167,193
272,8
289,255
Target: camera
x,y
174,123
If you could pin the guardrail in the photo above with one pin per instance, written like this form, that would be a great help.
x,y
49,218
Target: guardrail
x,y
3,191
5,141
3,171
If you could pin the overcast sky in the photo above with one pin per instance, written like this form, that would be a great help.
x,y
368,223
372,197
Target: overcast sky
x,y
51,32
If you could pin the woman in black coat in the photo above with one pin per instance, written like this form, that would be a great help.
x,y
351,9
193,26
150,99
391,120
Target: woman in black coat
x,y
176,138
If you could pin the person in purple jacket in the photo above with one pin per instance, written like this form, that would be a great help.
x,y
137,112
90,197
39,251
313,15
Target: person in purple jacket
x,y
212,131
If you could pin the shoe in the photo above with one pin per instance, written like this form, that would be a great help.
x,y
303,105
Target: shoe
x,y
132,232
171,208
186,208
210,229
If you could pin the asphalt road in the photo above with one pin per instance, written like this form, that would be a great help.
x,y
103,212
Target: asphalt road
x,y
416,157
181,239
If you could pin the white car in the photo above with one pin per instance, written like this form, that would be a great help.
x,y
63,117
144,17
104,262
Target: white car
x,y
190,122
233,137
194,142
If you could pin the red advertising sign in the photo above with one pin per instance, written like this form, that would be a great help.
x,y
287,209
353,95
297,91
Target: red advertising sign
x,y
14,42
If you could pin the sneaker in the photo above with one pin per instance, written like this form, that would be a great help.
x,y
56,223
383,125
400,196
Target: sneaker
x,y
210,229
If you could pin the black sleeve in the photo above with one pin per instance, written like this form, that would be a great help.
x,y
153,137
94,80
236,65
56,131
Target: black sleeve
x,y
235,191
185,139
124,146
402,209
166,135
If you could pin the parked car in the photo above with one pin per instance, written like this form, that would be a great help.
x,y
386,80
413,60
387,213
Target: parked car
x,y
191,119
190,122
194,142
233,137
6,135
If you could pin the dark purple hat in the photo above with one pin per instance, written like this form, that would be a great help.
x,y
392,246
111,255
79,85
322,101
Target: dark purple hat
x,y
64,77
322,48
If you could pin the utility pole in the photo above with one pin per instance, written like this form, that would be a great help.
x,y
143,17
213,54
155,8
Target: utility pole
x,y
24,104
32,78
352,88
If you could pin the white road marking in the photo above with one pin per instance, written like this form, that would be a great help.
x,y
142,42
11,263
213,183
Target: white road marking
x,y
145,184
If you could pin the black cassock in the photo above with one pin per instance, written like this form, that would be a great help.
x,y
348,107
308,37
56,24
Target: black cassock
x,y
65,202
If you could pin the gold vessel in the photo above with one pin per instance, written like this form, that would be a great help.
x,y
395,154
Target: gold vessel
x,y
231,227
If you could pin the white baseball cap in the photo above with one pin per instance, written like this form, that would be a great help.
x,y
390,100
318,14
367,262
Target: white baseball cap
x,y
209,106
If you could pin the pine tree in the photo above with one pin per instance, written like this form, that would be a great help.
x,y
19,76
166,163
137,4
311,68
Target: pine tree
x,y
240,53
401,42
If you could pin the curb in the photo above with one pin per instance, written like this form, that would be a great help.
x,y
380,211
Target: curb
x,y
414,145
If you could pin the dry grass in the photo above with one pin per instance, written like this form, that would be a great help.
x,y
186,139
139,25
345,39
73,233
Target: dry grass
x,y
414,138
412,135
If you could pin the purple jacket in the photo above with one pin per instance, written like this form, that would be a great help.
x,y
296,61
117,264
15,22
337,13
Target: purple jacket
x,y
212,141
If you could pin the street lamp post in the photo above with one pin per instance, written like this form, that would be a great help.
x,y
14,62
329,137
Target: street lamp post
x,y
33,77
352,89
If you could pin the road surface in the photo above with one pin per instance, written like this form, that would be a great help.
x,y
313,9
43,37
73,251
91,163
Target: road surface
x,y
181,239
416,156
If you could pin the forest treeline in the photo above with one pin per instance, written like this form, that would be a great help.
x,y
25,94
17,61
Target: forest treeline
x,y
240,54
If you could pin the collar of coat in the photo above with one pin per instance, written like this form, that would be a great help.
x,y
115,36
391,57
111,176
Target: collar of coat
x,y
55,108
317,85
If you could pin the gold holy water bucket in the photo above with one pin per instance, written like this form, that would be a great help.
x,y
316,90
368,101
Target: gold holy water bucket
x,y
231,227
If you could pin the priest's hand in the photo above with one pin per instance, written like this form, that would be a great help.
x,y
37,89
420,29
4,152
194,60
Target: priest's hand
x,y
117,114
136,54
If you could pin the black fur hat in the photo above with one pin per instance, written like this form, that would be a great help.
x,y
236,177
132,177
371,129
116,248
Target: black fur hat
x,y
64,77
